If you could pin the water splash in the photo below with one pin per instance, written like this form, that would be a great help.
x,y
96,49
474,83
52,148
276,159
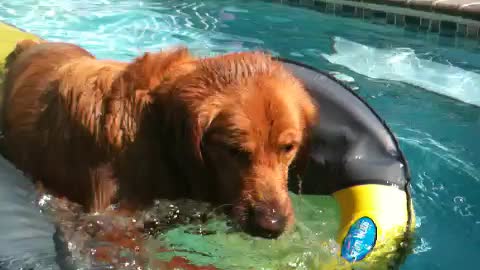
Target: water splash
x,y
403,64
310,244
188,232
423,246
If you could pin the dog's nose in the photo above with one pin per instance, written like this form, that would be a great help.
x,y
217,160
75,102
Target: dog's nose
x,y
266,222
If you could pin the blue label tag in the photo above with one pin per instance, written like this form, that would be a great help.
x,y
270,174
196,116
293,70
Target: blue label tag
x,y
360,239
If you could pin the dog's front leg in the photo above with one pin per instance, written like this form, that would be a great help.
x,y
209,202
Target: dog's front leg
x,y
104,187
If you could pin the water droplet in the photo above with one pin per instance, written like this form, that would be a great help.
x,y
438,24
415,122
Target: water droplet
x,y
459,199
423,247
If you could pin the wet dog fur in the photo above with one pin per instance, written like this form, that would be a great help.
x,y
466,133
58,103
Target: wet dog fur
x,y
222,129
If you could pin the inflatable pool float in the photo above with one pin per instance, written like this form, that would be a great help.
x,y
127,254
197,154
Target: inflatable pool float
x,y
355,158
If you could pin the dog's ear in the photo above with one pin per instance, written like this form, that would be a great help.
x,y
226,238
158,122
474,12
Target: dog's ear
x,y
189,118
184,131
300,164
201,121
310,115
197,131
303,157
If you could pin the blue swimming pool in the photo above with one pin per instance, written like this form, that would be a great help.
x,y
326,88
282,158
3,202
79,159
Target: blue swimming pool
x,y
405,75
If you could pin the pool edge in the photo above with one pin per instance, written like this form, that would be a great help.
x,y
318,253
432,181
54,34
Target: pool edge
x,y
402,14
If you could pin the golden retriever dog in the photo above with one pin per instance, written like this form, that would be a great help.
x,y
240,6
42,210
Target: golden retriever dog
x,y
223,129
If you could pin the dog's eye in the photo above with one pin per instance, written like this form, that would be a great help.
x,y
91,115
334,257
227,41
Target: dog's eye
x,y
287,148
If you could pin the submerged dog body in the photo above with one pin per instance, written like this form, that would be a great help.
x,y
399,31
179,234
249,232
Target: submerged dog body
x,y
167,125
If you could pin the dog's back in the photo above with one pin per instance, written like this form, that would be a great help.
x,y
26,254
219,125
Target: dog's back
x,y
43,86
68,118
37,61
31,67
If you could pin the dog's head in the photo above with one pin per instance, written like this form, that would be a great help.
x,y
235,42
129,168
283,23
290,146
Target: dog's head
x,y
248,119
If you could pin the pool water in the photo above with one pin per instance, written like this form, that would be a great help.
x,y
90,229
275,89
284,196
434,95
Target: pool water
x,y
400,79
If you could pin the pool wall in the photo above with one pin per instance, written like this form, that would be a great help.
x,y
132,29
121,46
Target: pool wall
x,y
453,18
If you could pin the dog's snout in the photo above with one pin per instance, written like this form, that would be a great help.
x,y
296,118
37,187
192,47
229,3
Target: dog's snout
x,y
266,222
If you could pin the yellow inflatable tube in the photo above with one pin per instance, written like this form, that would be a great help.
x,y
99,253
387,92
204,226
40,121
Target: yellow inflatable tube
x,y
374,219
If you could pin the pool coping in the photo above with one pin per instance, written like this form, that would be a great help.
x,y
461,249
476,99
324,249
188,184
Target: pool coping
x,y
444,17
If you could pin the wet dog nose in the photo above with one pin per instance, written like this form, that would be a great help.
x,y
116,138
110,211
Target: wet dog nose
x,y
266,222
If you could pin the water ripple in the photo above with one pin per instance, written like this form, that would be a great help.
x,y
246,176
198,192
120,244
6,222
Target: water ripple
x,y
134,25
426,142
